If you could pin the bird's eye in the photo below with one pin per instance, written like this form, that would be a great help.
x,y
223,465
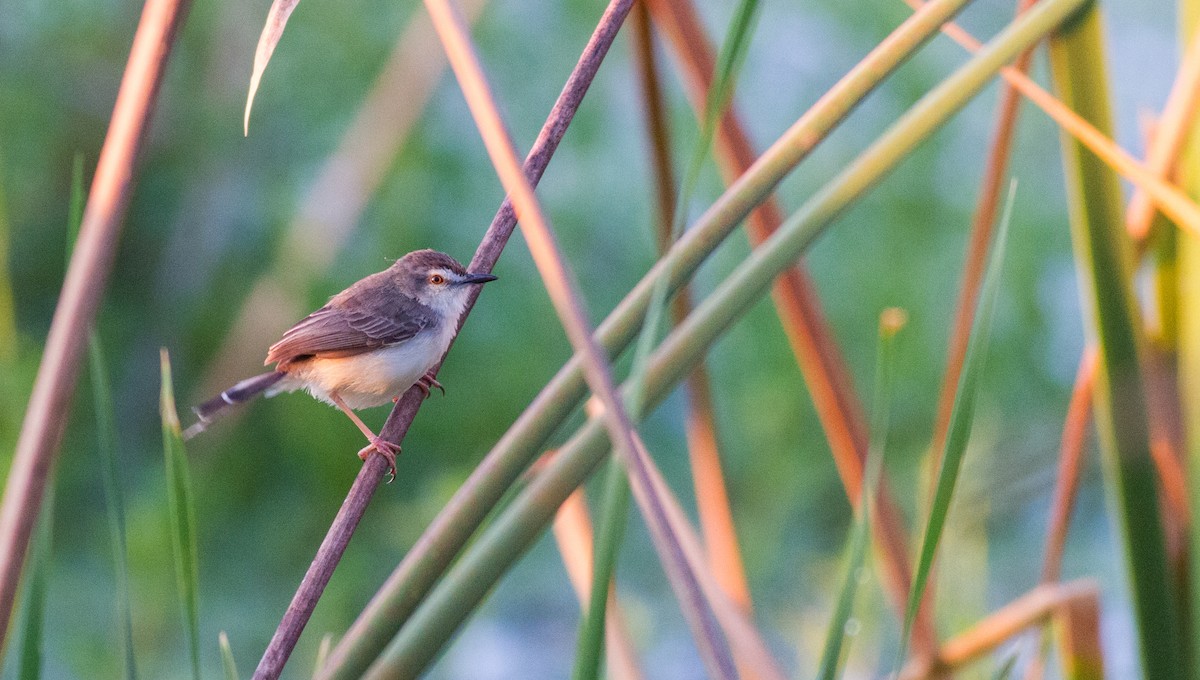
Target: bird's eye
x,y
437,279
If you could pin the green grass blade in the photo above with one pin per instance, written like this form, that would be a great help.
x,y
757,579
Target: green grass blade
x,y
8,320
322,653
33,624
183,515
228,665
890,323
106,446
961,419
106,437
1104,266
614,517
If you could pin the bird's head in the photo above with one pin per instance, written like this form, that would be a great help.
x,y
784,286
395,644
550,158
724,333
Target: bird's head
x,y
436,280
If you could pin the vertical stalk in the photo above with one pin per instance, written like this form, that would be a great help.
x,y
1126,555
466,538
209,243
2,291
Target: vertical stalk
x,y
1104,256
1184,261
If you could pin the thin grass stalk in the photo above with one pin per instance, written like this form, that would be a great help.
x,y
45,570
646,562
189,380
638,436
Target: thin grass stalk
x,y
182,515
86,279
332,205
1166,196
228,664
961,421
362,642
8,316
106,446
33,623
563,291
796,300
1103,253
712,497
573,533
1031,609
994,173
614,516
514,530
114,501
1187,260
891,321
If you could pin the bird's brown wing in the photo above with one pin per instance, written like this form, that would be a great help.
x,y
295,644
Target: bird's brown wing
x,y
352,326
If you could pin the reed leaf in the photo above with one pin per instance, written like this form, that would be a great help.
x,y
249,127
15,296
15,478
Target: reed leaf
x,y
961,419
228,665
182,515
277,18
890,324
1103,257
29,664
614,517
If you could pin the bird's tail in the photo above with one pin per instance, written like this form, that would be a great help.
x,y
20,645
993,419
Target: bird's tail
x,y
242,392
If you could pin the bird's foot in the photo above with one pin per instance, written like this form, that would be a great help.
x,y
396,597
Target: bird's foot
x,y
388,450
428,382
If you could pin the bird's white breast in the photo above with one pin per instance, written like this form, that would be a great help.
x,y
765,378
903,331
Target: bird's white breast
x,y
372,378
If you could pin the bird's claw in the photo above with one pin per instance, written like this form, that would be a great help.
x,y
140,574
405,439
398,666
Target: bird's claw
x,y
388,450
427,382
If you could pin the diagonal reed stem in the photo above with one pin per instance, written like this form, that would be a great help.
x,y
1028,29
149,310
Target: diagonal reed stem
x,y
399,421
83,289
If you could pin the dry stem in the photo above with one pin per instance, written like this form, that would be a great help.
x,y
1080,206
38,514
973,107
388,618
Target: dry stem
x,y
86,279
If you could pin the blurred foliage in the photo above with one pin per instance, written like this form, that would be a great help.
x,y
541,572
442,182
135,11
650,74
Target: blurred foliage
x,y
210,209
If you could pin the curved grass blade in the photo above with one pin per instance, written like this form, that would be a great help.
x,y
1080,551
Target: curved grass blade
x,y
106,446
183,514
272,31
891,321
961,418
106,437
228,665
33,625
322,653
615,515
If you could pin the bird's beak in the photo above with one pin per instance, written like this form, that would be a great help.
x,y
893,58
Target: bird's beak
x,y
477,278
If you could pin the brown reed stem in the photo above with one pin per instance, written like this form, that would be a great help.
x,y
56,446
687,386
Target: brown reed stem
x,y
83,288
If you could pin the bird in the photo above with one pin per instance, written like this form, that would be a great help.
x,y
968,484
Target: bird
x,y
367,346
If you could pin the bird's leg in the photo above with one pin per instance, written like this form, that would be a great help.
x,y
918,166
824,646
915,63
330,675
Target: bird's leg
x,y
388,450
427,382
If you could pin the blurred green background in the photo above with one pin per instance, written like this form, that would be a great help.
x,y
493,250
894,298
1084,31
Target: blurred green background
x,y
211,215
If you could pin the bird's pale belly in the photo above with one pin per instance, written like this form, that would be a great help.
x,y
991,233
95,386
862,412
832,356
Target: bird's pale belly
x,y
367,379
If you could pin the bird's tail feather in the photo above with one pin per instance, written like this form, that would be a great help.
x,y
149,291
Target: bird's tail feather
x,y
242,392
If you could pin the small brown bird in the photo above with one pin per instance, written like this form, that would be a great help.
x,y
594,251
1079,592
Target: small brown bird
x,y
368,345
